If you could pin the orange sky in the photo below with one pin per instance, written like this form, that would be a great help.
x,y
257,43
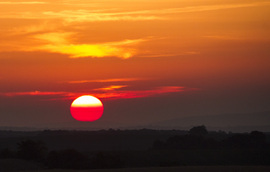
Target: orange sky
x,y
118,49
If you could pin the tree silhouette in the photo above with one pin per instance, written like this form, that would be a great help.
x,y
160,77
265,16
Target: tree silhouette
x,y
32,150
67,159
106,160
100,161
158,145
258,137
6,153
198,130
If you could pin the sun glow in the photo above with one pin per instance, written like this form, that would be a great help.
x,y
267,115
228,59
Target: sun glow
x,y
86,108
62,43
86,101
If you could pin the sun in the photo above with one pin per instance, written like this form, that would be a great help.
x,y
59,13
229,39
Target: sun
x,y
86,108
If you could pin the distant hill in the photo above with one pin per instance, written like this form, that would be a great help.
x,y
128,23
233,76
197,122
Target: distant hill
x,y
89,140
235,122
244,122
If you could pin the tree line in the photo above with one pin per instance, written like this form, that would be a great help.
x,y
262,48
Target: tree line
x,y
179,149
198,138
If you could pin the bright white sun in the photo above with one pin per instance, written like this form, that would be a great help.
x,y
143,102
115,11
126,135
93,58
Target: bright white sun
x,y
86,101
86,108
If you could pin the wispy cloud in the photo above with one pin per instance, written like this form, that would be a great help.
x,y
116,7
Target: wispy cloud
x,y
224,37
71,16
90,16
64,43
82,15
31,93
60,43
171,55
22,3
153,14
111,87
112,92
212,7
41,36
106,80
141,93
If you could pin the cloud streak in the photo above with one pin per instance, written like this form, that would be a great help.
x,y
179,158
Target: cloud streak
x,y
111,87
63,43
32,93
42,38
105,80
22,3
83,15
60,43
111,92
141,93
190,9
90,16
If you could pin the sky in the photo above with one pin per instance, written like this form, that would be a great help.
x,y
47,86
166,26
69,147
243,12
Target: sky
x,y
148,61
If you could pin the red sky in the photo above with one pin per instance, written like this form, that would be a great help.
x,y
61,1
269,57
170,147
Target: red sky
x,y
147,60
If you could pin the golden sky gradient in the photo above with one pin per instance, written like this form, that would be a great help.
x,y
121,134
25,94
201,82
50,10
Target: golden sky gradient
x,y
115,49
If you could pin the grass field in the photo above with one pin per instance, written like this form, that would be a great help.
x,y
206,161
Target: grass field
x,y
177,169
15,165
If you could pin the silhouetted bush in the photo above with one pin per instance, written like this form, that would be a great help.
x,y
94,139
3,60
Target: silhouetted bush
x,y
197,139
254,140
32,150
198,130
99,161
169,148
67,159
158,145
7,153
102,160
258,138
188,142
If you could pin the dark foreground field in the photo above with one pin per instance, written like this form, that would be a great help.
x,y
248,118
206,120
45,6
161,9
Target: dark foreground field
x,y
134,150
177,169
